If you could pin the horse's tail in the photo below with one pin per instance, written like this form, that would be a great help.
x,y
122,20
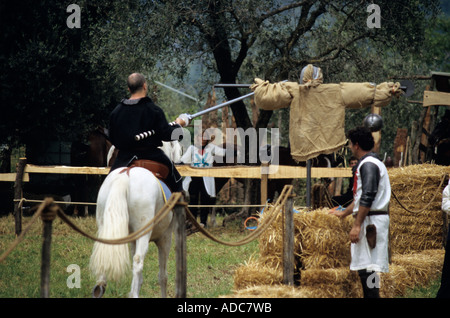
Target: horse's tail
x,y
113,260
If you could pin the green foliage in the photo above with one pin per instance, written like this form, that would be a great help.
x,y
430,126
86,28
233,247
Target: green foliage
x,y
57,83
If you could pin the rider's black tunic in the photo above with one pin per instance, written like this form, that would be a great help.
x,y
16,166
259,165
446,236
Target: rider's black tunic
x,y
132,117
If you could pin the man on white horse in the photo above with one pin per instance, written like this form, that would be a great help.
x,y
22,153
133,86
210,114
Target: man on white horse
x,y
139,114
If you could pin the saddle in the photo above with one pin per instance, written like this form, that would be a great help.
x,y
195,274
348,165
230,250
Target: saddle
x,y
158,169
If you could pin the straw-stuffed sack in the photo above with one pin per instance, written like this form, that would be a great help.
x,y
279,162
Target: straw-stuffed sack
x,y
317,111
270,96
361,95
384,93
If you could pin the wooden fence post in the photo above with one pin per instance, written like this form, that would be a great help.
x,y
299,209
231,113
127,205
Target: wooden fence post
x,y
47,218
264,181
180,249
288,242
18,195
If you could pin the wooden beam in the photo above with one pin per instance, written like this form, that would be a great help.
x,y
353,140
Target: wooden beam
x,y
66,169
239,171
287,172
11,177
254,172
434,98
251,172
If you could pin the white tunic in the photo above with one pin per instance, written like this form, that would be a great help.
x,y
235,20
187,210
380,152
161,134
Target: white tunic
x,y
202,159
446,199
364,257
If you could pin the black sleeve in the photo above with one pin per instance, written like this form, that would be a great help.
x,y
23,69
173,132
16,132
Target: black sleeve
x,y
370,177
166,131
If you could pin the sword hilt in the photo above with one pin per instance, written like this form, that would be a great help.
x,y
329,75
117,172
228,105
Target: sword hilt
x,y
149,133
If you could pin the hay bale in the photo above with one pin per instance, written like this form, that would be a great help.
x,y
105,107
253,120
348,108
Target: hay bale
x,y
256,273
417,187
320,240
324,239
409,270
405,272
313,277
284,291
322,247
269,291
331,283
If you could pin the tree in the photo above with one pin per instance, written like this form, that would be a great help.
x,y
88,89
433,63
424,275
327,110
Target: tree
x,y
273,40
58,82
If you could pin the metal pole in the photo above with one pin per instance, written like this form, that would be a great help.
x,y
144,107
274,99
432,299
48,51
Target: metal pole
x,y
233,85
308,183
177,91
203,112
208,110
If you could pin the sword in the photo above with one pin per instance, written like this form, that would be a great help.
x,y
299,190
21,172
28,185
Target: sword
x,y
201,113
149,133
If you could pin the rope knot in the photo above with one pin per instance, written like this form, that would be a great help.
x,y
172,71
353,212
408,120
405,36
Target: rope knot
x,y
49,210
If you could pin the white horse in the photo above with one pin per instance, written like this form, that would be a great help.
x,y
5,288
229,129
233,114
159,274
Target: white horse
x,y
126,202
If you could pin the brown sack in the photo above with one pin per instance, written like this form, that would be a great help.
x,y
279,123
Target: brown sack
x,y
317,121
384,93
357,95
361,95
371,235
270,96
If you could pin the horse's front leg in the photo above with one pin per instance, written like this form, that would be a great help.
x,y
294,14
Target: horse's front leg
x,y
141,249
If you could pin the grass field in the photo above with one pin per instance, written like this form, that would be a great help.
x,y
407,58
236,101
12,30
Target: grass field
x,y
210,265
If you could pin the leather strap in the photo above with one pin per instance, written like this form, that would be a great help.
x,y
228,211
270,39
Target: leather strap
x,y
158,169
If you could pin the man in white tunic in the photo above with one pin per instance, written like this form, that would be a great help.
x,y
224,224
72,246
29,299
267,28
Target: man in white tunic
x,y
370,208
202,190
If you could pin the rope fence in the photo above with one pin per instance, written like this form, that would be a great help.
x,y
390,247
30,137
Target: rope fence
x,y
48,210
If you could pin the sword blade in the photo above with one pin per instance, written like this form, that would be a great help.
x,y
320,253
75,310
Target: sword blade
x,y
208,110
233,85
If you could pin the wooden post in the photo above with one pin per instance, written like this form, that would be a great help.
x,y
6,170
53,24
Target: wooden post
x,y
180,247
47,219
264,180
18,195
288,242
377,134
400,147
424,137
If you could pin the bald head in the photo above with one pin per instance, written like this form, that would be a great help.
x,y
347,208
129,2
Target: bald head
x,y
136,82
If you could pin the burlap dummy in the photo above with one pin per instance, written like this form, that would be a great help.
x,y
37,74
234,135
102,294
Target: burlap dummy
x,y
317,111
